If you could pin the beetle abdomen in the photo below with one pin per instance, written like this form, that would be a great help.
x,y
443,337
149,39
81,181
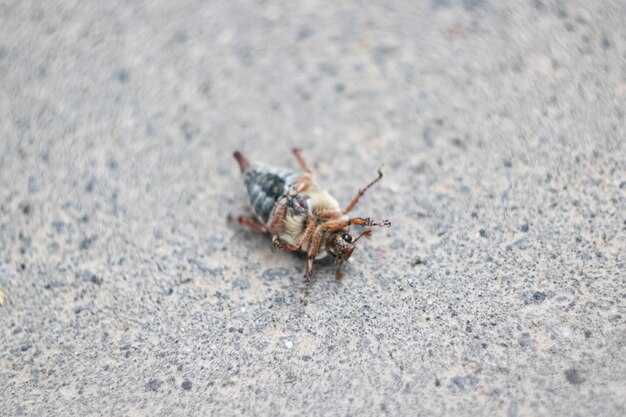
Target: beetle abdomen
x,y
265,186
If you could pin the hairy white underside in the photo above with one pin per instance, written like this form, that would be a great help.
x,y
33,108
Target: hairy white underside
x,y
295,225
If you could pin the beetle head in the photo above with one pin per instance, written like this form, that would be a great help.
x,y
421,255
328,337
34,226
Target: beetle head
x,y
340,245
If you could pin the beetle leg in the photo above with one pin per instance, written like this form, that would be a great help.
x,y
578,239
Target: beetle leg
x,y
308,233
314,248
359,221
277,218
301,184
326,215
252,224
304,239
282,245
355,200
309,268
298,153
304,298
242,161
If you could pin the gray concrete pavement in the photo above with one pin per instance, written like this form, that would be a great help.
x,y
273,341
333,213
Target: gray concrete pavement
x,y
499,290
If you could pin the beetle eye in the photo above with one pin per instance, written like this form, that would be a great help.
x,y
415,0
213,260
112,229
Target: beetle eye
x,y
347,238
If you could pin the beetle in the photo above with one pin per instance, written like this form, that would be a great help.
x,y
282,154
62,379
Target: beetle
x,y
299,214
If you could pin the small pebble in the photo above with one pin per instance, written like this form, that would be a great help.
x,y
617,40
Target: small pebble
x,y
464,382
525,340
539,297
153,385
574,377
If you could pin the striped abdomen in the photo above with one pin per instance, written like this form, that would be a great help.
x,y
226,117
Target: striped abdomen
x,y
266,186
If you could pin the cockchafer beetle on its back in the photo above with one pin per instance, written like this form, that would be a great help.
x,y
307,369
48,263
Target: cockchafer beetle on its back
x,y
299,214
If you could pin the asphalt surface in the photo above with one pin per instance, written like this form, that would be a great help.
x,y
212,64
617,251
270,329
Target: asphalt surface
x,y
498,290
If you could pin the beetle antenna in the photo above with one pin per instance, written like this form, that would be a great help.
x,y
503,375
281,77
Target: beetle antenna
x,y
367,233
338,274
383,223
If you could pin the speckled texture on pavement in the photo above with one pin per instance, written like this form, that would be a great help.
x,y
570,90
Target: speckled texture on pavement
x,y
499,290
